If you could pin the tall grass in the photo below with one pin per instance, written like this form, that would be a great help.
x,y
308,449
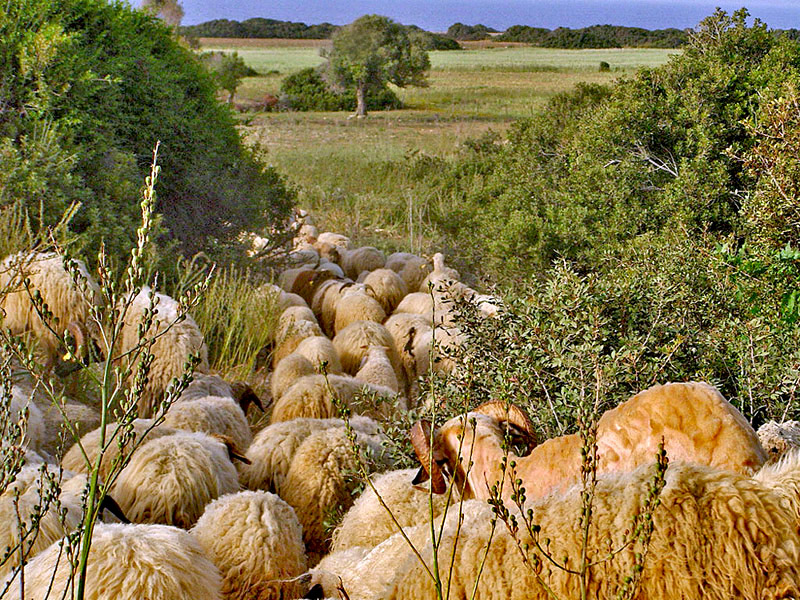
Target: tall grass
x,y
237,321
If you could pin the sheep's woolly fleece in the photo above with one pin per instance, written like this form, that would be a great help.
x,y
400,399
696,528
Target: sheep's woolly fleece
x,y
213,415
256,541
171,479
131,562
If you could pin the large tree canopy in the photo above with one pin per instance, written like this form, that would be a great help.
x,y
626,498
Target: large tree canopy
x,y
372,51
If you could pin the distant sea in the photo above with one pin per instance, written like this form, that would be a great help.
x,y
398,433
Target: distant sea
x,y
438,15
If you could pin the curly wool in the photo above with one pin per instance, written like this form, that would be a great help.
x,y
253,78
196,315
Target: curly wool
x,y
368,522
74,461
779,438
376,369
130,562
287,344
353,341
387,287
717,535
321,478
212,414
256,541
170,480
274,447
312,396
288,371
68,302
170,351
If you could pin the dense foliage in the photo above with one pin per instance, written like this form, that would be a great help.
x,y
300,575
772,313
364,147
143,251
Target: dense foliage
x,y
465,33
659,217
307,90
373,51
259,28
596,36
88,88
228,69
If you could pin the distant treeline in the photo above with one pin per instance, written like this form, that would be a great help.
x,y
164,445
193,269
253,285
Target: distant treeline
x,y
596,36
259,28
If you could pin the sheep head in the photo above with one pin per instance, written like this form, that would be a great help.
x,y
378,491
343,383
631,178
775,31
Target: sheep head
x,y
468,448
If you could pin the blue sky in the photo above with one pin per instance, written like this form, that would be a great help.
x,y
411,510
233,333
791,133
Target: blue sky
x,y
437,15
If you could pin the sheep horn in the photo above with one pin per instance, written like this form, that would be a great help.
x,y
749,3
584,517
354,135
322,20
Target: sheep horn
x,y
315,593
512,415
108,503
421,441
234,453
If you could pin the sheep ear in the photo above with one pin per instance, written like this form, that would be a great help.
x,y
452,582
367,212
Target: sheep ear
x,y
111,506
315,593
420,477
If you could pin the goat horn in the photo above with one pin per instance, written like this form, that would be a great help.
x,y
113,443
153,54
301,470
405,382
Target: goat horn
x,y
421,441
509,413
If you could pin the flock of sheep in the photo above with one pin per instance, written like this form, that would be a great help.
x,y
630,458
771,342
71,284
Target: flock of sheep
x,y
219,511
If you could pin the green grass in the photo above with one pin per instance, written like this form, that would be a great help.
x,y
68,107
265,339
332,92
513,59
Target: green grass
x,y
353,175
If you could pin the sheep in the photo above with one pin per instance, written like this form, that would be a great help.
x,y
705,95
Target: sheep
x,y
353,341
387,287
354,305
321,478
176,341
440,275
287,278
358,260
434,349
418,303
289,370
17,520
376,368
368,522
327,299
334,239
303,255
170,480
717,535
311,397
695,421
304,282
212,414
778,438
22,407
292,338
256,541
129,562
397,260
273,448
289,319
70,304
414,272
307,234
205,384
82,418
326,265
319,349
74,459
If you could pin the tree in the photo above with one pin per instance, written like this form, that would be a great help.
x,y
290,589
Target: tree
x,y
228,70
371,52
169,10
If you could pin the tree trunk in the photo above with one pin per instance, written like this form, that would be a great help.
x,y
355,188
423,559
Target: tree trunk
x,y
361,103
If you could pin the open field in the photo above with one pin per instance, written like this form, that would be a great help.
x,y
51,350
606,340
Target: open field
x,y
470,92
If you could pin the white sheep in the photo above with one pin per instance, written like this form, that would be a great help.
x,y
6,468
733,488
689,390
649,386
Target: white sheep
x,y
256,541
176,341
292,338
312,396
319,349
404,329
69,304
75,461
326,265
321,478
387,287
334,239
273,449
290,318
355,305
213,415
356,261
441,275
22,408
206,384
376,368
353,341
778,438
129,562
288,371
418,303
171,479
368,522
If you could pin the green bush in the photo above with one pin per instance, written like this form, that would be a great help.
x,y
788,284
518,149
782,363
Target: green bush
x,y
89,87
307,90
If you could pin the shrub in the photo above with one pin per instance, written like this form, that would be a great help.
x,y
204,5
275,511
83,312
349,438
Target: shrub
x,y
88,87
306,90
